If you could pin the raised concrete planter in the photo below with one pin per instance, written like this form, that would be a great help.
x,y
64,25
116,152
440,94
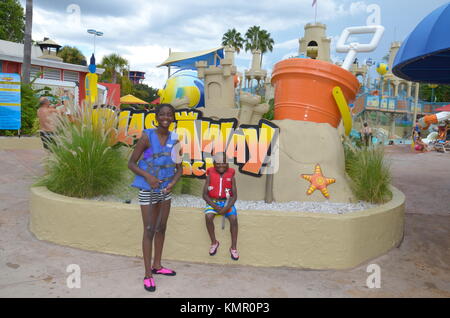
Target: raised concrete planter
x,y
266,238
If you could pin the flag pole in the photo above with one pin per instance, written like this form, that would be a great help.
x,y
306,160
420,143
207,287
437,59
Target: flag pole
x,y
315,16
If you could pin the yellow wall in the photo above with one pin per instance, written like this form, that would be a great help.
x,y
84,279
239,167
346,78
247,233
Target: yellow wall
x,y
266,238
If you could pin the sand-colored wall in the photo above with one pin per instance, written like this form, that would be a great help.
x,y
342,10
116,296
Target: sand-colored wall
x,y
303,145
266,238
20,143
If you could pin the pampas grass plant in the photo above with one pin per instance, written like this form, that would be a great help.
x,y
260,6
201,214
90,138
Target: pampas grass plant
x,y
369,173
85,161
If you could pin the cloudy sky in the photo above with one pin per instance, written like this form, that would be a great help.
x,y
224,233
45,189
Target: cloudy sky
x,y
143,30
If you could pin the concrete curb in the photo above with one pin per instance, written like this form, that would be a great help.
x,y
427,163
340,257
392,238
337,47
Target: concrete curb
x,y
266,238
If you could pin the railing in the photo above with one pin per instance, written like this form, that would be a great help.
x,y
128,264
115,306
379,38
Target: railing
x,y
395,104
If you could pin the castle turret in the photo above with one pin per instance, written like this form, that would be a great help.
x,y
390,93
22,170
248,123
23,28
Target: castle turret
x,y
395,46
393,84
255,72
315,43
219,86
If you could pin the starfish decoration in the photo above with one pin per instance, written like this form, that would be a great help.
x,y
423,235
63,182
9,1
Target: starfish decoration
x,y
318,181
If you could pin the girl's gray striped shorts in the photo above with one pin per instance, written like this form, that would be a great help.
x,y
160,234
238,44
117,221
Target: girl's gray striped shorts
x,y
147,197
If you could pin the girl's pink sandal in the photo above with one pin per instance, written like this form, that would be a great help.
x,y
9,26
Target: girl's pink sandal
x,y
149,284
164,271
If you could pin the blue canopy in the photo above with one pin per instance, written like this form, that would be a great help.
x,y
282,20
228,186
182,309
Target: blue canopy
x,y
186,60
425,54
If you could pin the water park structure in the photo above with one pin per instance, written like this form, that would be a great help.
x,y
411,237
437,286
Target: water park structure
x,y
388,103
296,157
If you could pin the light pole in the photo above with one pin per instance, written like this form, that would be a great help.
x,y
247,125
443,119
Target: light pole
x,y
95,33
433,97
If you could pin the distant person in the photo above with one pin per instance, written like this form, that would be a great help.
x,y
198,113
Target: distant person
x,y
419,145
220,194
416,127
366,135
442,133
47,121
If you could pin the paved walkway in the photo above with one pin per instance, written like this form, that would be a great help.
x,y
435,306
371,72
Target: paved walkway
x,y
419,268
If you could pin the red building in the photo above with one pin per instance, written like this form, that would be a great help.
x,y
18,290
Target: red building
x,y
113,94
44,59
136,77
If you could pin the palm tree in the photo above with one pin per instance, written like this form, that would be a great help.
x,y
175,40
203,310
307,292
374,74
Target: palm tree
x,y
72,55
252,38
266,43
257,39
26,66
233,38
114,65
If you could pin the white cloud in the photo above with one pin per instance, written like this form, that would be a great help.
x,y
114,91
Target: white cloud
x,y
144,31
289,44
358,8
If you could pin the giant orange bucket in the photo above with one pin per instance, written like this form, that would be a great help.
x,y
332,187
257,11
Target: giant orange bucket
x,y
303,90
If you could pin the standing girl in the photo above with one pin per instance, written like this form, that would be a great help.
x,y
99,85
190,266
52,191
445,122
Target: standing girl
x,y
156,175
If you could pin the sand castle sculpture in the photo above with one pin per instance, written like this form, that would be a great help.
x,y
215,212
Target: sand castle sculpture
x,y
309,152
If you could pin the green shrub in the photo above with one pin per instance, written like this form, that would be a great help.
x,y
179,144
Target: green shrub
x,y
270,114
83,161
30,104
189,185
369,173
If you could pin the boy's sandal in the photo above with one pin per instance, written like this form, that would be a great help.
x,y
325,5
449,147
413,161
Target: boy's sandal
x,y
234,254
149,284
164,271
213,248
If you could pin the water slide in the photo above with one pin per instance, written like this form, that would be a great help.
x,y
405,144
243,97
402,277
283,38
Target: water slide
x,y
426,121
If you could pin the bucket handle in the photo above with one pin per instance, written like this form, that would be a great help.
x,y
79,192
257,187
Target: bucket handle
x,y
353,48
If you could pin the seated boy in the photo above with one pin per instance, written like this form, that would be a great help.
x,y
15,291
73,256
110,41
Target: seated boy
x,y
220,194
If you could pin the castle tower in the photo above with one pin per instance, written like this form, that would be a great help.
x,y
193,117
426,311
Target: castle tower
x,y
395,46
361,70
315,43
219,86
255,72
393,84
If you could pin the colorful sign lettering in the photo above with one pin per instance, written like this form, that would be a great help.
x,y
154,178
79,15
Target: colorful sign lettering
x,y
250,146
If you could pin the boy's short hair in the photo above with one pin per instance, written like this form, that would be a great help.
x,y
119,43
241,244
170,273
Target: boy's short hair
x,y
220,157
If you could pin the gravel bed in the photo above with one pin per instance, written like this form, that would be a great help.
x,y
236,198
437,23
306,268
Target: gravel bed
x,y
190,201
